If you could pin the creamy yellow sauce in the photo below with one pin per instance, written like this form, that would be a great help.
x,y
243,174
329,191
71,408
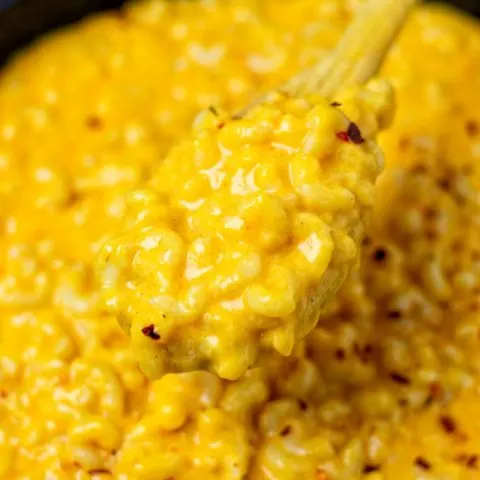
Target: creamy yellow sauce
x,y
386,385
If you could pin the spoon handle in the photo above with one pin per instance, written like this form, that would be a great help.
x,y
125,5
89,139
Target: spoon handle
x,y
358,55
360,52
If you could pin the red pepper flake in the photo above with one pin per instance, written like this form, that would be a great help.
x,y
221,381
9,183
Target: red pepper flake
x,y
343,136
355,134
221,125
336,104
368,349
394,314
436,389
448,424
98,471
286,430
472,462
150,332
380,255
423,463
371,468
302,404
399,378
340,354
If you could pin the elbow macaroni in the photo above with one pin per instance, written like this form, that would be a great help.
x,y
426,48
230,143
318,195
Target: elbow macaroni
x,y
383,388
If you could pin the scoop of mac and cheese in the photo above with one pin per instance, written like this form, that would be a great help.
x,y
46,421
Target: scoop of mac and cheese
x,y
244,231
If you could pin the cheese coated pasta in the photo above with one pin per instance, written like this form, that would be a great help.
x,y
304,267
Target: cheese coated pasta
x,y
385,387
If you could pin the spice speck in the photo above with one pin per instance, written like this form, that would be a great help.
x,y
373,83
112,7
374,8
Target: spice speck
x,y
380,255
423,463
354,134
150,332
343,136
371,469
448,423
399,378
